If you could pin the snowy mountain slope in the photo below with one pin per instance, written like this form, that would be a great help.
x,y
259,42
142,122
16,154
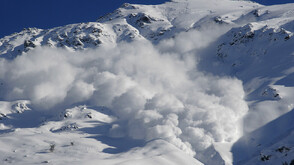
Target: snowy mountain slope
x,y
124,24
77,137
185,82
71,37
271,143
260,54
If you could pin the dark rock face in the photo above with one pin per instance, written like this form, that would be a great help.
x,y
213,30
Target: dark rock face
x,y
29,43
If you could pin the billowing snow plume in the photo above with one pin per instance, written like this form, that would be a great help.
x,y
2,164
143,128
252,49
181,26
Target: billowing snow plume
x,y
156,93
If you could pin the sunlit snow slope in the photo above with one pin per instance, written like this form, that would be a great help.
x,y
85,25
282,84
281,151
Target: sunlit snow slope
x,y
185,82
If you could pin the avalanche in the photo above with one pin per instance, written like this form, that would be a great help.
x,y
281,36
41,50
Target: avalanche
x,y
185,82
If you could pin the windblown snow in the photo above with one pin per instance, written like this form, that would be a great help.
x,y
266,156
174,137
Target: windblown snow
x,y
185,82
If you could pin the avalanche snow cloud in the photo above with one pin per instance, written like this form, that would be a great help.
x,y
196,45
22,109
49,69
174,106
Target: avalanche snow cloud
x,y
155,92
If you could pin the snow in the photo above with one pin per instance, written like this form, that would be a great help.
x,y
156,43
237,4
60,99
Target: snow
x,y
86,143
185,82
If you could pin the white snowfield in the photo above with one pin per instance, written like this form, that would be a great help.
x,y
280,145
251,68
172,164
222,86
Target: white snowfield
x,y
188,82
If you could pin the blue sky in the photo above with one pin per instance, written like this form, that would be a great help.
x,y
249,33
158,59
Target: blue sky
x,y
273,2
18,14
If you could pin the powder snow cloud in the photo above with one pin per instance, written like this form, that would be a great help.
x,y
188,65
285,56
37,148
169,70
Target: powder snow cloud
x,y
156,92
